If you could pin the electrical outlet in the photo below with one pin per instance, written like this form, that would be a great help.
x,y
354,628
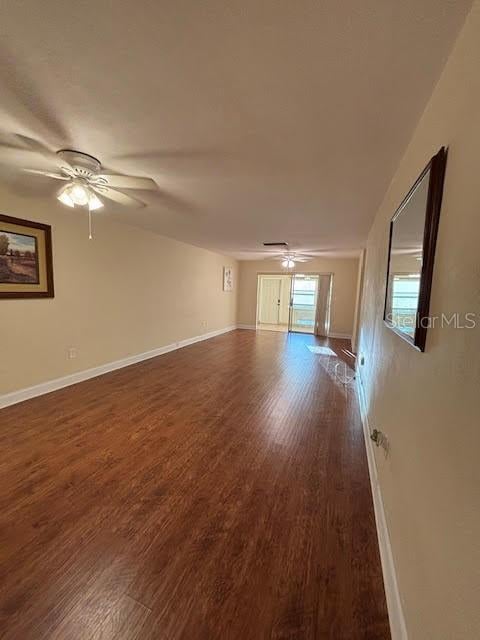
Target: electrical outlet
x,y
204,324
381,440
71,353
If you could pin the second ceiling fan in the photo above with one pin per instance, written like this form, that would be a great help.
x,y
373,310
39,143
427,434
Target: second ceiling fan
x,y
288,258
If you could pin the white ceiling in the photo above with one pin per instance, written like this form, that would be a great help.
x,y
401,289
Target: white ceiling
x,y
259,119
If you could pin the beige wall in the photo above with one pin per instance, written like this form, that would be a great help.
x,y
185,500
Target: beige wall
x,y
123,293
358,301
428,403
345,271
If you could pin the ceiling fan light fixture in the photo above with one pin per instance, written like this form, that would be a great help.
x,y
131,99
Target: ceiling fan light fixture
x,y
75,194
64,198
288,263
79,194
94,203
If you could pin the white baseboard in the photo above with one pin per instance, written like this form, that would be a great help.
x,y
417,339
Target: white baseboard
x,y
398,627
342,336
58,383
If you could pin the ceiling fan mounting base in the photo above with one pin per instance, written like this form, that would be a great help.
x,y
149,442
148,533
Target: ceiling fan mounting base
x,y
80,160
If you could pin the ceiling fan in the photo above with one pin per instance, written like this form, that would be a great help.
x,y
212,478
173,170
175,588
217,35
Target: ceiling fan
x,y
288,258
85,183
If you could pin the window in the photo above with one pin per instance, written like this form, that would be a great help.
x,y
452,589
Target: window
x,y
405,292
304,293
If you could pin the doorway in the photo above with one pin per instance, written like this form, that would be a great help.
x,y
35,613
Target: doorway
x,y
273,302
297,303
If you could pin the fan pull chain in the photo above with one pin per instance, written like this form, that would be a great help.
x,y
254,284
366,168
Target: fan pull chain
x,y
90,236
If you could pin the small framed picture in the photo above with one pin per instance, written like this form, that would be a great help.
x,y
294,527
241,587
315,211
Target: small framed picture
x,y
26,266
227,279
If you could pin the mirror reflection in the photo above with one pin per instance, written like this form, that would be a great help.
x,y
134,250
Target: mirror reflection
x,y
405,261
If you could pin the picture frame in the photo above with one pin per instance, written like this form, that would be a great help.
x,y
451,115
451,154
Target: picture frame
x,y
411,255
26,261
227,278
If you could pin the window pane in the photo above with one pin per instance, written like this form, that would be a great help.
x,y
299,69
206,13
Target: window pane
x,y
405,291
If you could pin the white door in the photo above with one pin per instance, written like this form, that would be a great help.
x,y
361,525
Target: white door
x,y
269,310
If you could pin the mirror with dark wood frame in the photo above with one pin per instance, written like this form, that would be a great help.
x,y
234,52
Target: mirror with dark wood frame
x,y
411,254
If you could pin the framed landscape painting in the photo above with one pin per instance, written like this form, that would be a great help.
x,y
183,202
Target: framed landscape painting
x,y
26,269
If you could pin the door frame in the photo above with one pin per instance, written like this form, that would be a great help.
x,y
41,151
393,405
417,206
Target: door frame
x,y
257,307
315,331
292,273
263,281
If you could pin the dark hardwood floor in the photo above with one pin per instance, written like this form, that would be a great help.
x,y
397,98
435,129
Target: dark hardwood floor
x,y
217,492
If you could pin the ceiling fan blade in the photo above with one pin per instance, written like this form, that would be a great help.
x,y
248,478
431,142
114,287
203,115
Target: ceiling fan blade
x,y
18,150
26,100
270,252
16,157
126,182
119,197
48,174
183,153
190,162
316,253
38,147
